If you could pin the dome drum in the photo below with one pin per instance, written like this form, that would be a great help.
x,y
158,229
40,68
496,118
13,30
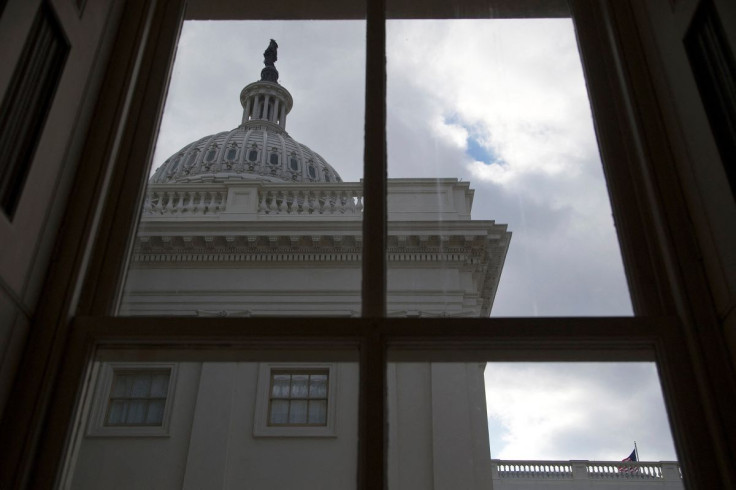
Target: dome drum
x,y
266,101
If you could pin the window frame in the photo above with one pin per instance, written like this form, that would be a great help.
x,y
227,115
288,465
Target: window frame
x,y
261,425
105,374
674,327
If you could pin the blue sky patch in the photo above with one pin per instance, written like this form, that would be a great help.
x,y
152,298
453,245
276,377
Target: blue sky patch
x,y
481,153
475,149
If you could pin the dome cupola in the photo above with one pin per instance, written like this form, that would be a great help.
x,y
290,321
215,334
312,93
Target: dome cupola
x,y
266,100
258,149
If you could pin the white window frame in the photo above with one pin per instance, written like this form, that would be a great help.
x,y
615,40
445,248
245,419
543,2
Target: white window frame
x,y
101,395
261,428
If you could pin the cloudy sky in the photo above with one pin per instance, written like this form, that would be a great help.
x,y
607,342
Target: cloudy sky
x,y
501,104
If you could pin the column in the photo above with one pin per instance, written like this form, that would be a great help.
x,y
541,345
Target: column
x,y
282,118
274,117
265,107
246,111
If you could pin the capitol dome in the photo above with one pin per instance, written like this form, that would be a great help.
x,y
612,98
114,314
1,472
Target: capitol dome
x,y
258,149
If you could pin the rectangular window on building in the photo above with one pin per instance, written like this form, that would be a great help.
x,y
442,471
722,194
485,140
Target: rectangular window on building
x,y
298,398
301,399
132,399
138,398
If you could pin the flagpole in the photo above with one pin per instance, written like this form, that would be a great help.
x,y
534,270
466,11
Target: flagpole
x,y
636,451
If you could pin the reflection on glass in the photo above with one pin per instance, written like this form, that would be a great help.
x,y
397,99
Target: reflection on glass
x,y
250,221
217,425
493,115
551,425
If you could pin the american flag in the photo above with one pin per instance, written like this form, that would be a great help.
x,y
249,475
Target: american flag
x,y
629,469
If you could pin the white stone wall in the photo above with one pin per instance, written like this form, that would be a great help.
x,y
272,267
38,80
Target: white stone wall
x,y
257,249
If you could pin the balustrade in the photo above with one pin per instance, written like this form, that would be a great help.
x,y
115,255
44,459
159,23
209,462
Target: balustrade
x,y
182,201
340,199
192,200
551,470
591,470
624,470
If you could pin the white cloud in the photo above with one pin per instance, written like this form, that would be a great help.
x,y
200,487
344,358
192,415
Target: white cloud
x,y
454,134
589,411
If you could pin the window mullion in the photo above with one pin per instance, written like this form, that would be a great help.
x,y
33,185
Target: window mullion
x,y
372,435
374,172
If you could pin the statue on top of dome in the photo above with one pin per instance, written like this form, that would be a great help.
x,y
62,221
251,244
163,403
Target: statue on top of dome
x,y
269,55
270,73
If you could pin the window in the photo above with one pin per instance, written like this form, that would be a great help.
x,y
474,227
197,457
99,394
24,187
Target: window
x,y
132,399
312,172
175,166
294,164
211,154
273,158
192,158
297,399
253,155
231,154
566,339
137,398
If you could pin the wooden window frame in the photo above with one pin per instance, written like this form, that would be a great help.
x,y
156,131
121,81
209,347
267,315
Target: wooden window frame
x,y
674,327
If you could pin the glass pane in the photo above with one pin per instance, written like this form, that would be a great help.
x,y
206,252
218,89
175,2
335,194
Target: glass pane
x,y
141,386
160,385
299,385
155,415
220,428
279,411
317,412
318,386
122,386
136,414
520,425
281,385
298,412
490,131
252,207
116,414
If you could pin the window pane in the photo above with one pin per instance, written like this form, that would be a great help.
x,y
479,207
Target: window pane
x,y
281,384
217,426
279,412
252,208
299,385
318,386
523,425
298,412
116,415
159,385
489,126
141,386
317,412
122,386
155,413
136,414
